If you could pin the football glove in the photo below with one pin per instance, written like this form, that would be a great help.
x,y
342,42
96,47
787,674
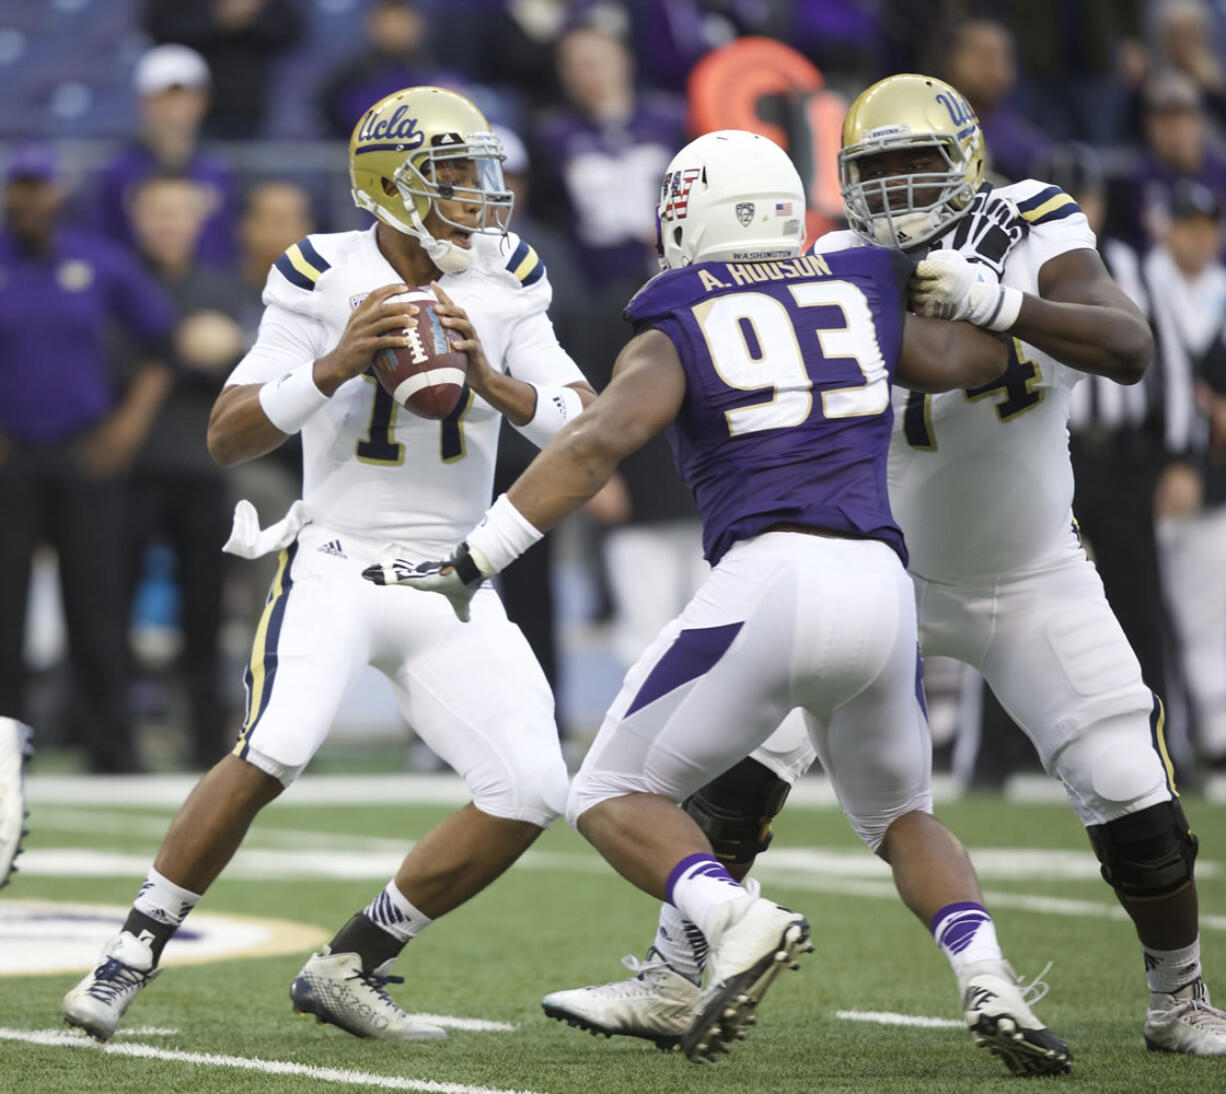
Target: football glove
x,y
990,230
457,578
946,285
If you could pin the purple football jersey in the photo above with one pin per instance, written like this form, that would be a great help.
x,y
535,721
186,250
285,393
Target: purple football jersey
x,y
788,365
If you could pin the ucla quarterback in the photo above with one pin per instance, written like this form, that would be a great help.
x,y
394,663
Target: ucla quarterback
x,y
772,373
981,484
425,163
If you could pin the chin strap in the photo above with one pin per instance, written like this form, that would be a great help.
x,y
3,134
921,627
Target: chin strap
x,y
446,255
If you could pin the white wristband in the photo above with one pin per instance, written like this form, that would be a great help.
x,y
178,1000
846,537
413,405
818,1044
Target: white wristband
x,y
555,406
292,399
502,536
1006,311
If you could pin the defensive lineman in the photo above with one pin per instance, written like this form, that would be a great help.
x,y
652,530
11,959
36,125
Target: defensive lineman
x,y
773,372
981,484
425,163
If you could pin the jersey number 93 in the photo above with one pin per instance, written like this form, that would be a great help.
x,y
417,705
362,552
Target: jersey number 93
x,y
752,341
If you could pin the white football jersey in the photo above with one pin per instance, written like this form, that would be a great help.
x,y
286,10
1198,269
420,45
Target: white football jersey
x,y
980,480
369,466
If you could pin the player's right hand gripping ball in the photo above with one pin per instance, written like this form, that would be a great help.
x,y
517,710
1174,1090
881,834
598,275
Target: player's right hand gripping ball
x,y
426,376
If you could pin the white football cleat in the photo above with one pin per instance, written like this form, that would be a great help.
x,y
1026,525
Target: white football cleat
x,y
15,748
97,1003
658,1004
755,942
1183,1021
997,1014
333,987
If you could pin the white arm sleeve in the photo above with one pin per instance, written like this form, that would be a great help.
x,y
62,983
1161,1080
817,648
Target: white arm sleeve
x,y
534,354
286,340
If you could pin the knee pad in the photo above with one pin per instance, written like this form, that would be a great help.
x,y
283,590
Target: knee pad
x,y
1148,854
535,793
736,809
285,774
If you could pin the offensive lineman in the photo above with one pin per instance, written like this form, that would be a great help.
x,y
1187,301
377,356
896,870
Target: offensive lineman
x,y
773,373
425,163
981,484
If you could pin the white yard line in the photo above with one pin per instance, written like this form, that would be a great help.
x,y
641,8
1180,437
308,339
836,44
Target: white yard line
x,y
123,823
56,1039
169,791
884,890
359,864
160,791
890,1018
475,1025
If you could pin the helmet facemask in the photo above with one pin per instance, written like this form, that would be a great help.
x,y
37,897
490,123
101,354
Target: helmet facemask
x,y
906,209
441,174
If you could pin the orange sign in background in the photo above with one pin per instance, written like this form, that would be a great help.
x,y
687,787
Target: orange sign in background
x,y
769,88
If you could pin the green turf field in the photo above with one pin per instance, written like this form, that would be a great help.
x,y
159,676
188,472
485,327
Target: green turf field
x,y
562,919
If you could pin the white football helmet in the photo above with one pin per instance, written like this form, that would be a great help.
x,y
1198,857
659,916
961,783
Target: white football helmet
x,y
730,196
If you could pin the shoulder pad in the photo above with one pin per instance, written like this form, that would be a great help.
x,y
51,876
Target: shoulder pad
x,y
525,264
302,265
835,241
664,293
1040,203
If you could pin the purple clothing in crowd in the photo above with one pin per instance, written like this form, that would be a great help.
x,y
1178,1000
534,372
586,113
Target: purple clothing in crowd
x,y
217,245
602,181
1014,146
54,311
1143,199
369,78
824,473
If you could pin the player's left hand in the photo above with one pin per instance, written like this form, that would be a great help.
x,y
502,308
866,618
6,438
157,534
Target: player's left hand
x,y
946,285
993,227
457,578
463,336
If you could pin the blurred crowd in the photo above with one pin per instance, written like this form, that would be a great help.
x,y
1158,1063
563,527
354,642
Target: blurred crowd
x,y
159,156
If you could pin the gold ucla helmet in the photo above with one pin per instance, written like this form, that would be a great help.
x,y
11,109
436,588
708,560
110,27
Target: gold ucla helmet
x,y
908,113
418,146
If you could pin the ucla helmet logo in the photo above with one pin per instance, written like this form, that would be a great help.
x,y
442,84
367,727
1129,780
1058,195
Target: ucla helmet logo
x,y
423,151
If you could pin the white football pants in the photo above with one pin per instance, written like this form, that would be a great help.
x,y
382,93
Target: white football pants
x,y
785,620
472,691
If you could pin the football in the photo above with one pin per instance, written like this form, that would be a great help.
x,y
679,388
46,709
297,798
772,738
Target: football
x,y
426,376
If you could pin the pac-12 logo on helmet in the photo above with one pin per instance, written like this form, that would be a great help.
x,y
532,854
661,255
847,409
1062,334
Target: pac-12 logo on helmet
x,y
719,201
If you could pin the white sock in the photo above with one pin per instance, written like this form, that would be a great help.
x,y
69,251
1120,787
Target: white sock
x,y
1169,970
699,886
392,911
680,944
163,900
967,934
